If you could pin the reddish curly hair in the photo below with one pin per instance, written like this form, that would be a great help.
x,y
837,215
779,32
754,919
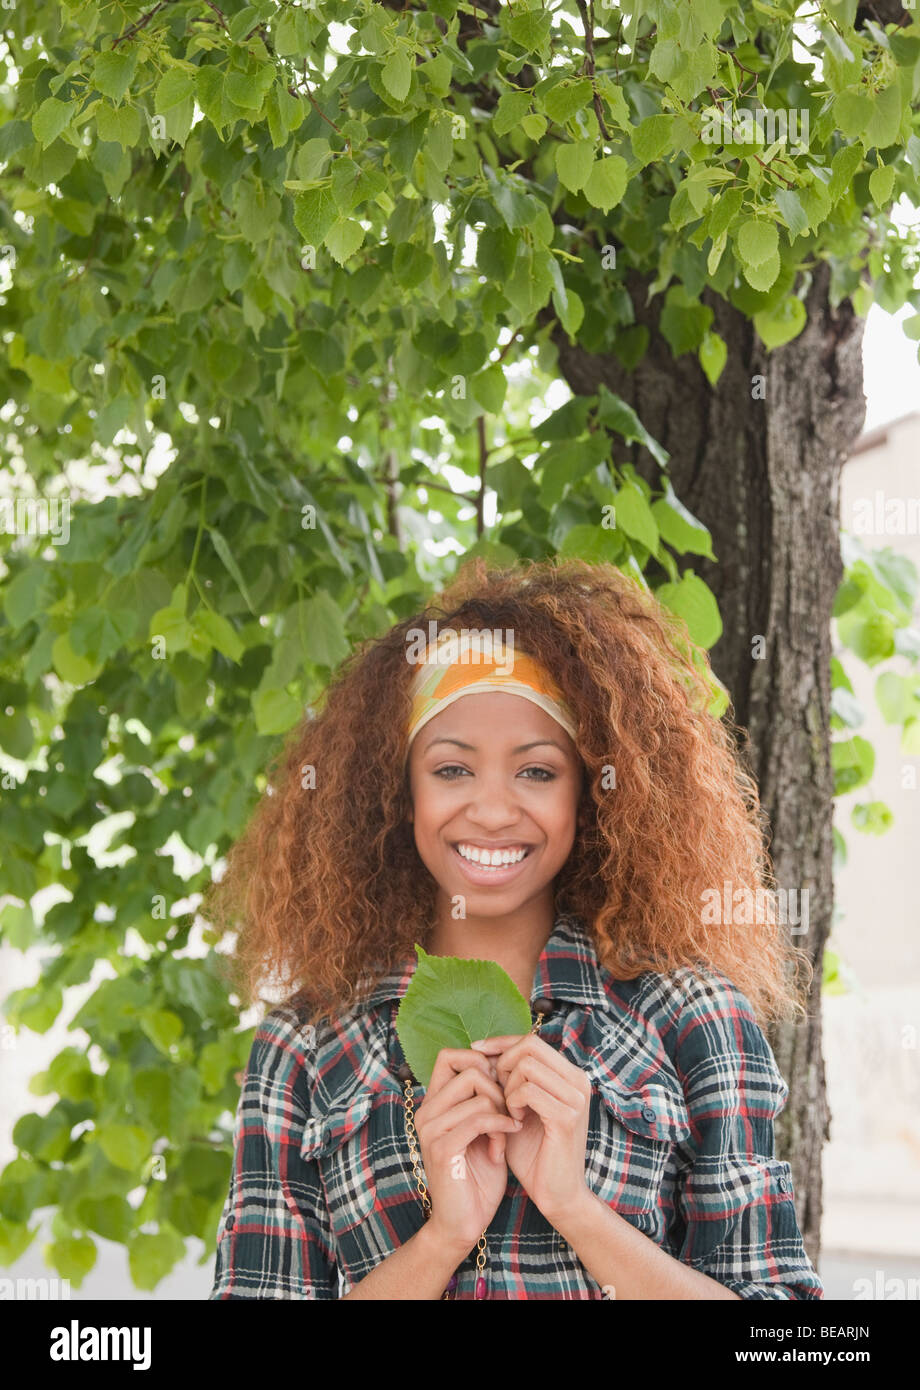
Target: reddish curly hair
x,y
327,891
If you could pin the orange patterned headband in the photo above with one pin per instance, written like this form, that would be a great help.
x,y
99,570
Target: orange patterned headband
x,y
470,662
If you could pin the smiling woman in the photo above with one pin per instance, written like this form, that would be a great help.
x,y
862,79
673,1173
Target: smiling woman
x,y
558,806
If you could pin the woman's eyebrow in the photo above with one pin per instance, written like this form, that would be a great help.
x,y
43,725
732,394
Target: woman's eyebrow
x,y
522,748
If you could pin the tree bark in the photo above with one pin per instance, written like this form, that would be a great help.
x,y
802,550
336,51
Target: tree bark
x,y
763,475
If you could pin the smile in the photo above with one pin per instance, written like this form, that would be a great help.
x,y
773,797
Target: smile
x,y
482,864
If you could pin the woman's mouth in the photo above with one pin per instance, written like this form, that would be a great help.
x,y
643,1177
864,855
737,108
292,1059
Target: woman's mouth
x,y
484,864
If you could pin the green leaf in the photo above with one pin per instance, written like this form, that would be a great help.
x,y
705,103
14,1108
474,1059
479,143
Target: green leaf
x,y
566,98
881,183
885,121
757,242
162,1027
489,387
873,817
898,697
152,1257
226,555
217,632
679,527
121,125
790,205
113,71
574,162
397,74
173,88
763,277
512,107
124,1145
70,666
713,354
344,238
452,1002
72,1257
782,323
693,600
51,119
320,622
275,711
634,516
26,595
534,126
530,28
684,321
618,415
651,137
910,739
852,112
314,213
607,182
853,762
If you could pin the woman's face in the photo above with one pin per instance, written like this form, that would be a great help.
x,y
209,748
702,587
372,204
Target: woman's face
x,y
494,775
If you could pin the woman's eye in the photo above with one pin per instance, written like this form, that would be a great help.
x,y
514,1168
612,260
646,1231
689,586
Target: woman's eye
x,y
543,774
450,772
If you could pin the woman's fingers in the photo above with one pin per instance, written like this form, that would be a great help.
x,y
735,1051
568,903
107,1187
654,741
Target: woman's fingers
x,y
454,1141
450,1062
543,1104
470,1081
438,1126
533,1069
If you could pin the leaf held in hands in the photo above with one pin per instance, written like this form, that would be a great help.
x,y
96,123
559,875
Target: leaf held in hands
x,y
451,1002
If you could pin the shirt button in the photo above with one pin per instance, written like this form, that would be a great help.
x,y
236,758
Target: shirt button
x,y
783,1184
648,1113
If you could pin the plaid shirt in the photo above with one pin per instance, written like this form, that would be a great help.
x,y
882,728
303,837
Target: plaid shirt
x,y
680,1143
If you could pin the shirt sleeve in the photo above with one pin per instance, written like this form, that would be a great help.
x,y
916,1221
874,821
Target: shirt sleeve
x,y
274,1239
735,1217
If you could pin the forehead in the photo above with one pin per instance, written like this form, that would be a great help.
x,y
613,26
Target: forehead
x,y
492,719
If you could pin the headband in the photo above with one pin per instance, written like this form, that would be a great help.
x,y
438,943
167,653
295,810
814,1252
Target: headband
x,y
472,663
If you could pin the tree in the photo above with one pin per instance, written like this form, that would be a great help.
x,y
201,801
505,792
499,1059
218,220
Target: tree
x,y
333,256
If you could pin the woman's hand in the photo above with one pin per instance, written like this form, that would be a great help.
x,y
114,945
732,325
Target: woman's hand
x,y
462,1125
553,1098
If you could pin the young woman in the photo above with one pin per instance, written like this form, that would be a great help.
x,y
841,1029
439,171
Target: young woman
x,y
525,773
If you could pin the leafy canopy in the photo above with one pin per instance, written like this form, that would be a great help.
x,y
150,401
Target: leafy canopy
x,y
279,289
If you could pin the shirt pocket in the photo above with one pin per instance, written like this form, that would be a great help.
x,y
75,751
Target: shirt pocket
x,y
339,1140
736,1207
631,1139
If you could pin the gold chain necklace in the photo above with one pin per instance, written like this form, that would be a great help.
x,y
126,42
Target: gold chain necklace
x,y
541,1008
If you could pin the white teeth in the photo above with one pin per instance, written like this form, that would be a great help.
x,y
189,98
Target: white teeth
x,y
491,859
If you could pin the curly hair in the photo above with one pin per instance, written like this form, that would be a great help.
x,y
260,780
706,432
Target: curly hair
x,y
326,890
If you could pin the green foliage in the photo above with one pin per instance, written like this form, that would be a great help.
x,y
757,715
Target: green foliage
x,y
874,614
314,248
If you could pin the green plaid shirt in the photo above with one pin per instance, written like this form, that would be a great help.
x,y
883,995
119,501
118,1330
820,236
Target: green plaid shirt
x,y
680,1142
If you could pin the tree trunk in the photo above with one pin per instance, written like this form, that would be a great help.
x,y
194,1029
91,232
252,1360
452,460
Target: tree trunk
x,y
763,476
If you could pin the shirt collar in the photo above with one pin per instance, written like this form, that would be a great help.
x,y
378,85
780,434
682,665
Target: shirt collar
x,y
568,970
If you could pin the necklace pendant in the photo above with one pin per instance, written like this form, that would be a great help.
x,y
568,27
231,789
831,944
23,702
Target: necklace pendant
x,y
480,1287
